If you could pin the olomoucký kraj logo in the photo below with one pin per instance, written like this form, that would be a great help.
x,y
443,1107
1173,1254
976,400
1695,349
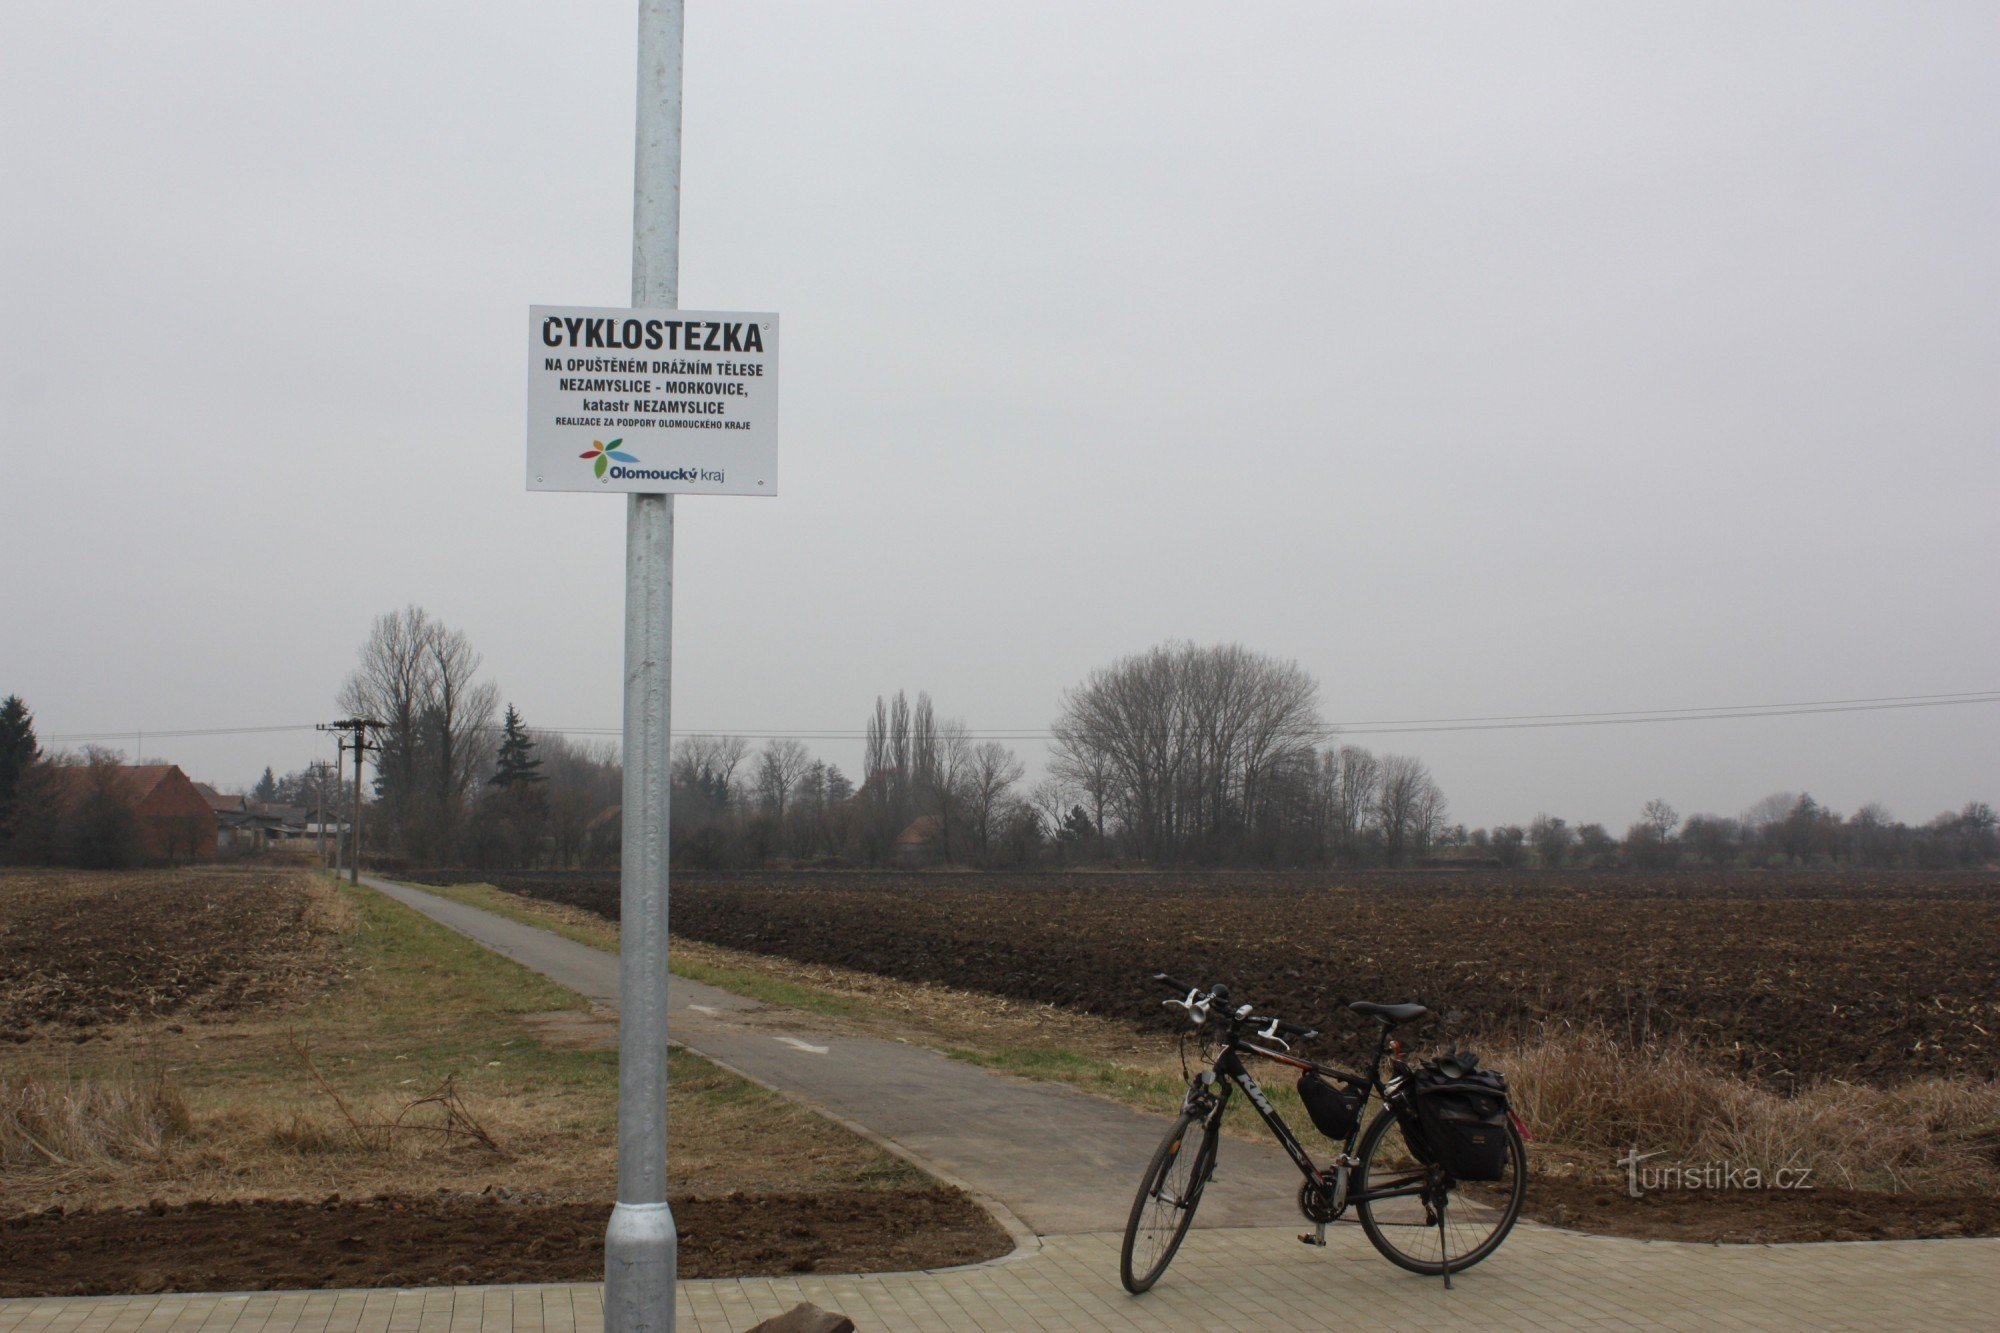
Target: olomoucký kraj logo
x,y
605,453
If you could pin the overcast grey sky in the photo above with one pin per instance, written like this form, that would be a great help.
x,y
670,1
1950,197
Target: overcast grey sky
x,y
1486,359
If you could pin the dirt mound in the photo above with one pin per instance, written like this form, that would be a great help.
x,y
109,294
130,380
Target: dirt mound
x,y
82,951
1787,978
455,1240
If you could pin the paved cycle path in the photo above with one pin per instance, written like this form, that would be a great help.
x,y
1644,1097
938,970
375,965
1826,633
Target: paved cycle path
x,y
1060,1160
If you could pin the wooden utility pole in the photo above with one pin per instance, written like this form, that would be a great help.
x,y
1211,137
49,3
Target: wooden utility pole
x,y
357,741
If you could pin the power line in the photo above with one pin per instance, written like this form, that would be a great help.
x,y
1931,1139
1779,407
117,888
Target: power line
x,y
1380,727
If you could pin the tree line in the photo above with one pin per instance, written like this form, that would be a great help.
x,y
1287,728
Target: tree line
x,y
1784,830
1182,754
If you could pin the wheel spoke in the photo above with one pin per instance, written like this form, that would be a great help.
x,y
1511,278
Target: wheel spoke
x,y
1166,1202
1404,1223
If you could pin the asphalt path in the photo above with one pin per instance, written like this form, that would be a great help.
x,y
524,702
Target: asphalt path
x,y
1060,1160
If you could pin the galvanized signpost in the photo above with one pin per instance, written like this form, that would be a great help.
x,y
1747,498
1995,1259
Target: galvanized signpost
x,y
649,402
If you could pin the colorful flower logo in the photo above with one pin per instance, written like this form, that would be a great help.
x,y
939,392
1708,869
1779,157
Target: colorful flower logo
x,y
606,454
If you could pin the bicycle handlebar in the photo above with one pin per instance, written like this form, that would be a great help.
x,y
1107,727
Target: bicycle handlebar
x,y
1266,1022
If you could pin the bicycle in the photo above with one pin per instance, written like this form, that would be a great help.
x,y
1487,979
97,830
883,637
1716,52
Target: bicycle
x,y
1413,1212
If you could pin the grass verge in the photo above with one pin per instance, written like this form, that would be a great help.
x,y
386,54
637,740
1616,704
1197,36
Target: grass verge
x,y
375,1081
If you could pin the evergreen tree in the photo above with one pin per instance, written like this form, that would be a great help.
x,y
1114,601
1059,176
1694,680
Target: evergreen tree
x,y
266,790
18,751
517,763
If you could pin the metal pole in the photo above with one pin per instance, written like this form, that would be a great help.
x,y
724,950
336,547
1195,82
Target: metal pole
x,y
641,1247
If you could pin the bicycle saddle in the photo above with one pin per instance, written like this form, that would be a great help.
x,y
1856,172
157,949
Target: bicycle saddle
x,y
1389,1013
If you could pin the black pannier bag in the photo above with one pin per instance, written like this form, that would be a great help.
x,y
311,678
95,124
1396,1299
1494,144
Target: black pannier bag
x,y
1334,1111
1460,1119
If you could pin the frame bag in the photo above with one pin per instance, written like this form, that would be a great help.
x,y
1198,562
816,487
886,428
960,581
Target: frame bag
x,y
1460,1120
1334,1111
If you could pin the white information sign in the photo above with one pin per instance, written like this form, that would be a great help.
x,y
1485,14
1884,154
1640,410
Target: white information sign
x,y
652,401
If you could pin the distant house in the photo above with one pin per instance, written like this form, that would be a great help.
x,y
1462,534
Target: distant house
x,y
176,822
232,816
246,825
916,844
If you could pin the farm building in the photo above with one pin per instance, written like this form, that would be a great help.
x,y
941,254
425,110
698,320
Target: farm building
x,y
244,825
918,844
175,820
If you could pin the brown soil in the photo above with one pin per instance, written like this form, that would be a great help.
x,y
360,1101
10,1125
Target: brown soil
x,y
83,951
1787,978
1758,1217
455,1240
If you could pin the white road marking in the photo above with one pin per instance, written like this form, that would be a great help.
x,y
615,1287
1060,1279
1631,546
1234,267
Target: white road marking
x,y
805,1046
704,1008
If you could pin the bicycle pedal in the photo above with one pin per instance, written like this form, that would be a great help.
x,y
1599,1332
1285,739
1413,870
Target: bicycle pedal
x,y
1313,1240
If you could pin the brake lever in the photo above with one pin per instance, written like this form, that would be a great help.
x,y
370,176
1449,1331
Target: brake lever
x,y
1271,1034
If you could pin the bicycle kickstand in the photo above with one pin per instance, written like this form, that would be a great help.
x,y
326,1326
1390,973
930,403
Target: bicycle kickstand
x,y
1444,1243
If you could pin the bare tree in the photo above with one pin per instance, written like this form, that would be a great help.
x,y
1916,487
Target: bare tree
x,y
1184,738
1052,799
1761,821
1650,842
389,686
585,782
1662,818
899,757
923,744
1874,835
945,802
1552,839
1356,782
1089,773
1713,838
1409,806
780,768
877,757
708,758
458,714
419,679
991,770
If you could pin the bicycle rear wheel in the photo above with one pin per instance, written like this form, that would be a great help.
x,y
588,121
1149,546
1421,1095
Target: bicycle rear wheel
x,y
1167,1198
1478,1214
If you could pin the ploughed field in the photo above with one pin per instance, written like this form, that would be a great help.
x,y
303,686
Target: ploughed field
x,y
82,951
1789,978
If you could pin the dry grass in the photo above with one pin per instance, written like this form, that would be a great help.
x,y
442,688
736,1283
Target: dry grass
x,y
1589,1096
64,1121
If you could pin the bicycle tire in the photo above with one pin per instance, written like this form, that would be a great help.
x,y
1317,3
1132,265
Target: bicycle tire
x,y
1404,1230
1163,1209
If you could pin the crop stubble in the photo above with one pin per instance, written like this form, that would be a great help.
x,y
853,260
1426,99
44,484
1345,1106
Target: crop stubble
x,y
80,952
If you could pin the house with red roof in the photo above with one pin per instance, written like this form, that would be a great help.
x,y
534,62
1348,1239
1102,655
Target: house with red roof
x,y
176,823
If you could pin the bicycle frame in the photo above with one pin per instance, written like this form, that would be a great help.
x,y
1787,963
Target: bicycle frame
x,y
1231,1073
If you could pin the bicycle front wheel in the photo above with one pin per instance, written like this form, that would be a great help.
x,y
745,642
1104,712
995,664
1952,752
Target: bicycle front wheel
x,y
1164,1208
1478,1214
